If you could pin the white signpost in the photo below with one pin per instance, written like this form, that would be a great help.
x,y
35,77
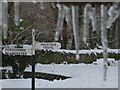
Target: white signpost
x,y
17,51
48,45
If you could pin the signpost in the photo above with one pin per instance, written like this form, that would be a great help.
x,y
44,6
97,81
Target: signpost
x,y
31,52
48,45
18,51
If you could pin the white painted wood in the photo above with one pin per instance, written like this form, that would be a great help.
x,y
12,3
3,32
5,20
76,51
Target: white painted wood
x,y
48,45
17,51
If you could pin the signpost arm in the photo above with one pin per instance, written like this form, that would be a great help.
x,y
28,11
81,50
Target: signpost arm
x,y
33,59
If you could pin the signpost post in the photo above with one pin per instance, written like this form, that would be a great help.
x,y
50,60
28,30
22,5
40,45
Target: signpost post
x,y
26,52
33,59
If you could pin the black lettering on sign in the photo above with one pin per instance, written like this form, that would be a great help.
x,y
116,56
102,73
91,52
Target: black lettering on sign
x,y
23,53
12,53
19,49
6,53
48,47
15,51
42,44
20,53
6,49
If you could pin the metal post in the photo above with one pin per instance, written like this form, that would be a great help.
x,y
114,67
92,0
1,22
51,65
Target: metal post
x,y
33,59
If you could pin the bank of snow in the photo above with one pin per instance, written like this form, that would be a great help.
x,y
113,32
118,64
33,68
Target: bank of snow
x,y
83,76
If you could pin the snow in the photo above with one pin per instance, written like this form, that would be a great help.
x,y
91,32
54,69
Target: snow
x,y
88,51
82,76
21,20
21,28
83,51
6,68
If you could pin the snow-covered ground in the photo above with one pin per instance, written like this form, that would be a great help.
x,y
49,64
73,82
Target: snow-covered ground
x,y
83,76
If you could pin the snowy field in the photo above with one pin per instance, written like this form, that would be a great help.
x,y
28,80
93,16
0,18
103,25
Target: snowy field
x,y
83,76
